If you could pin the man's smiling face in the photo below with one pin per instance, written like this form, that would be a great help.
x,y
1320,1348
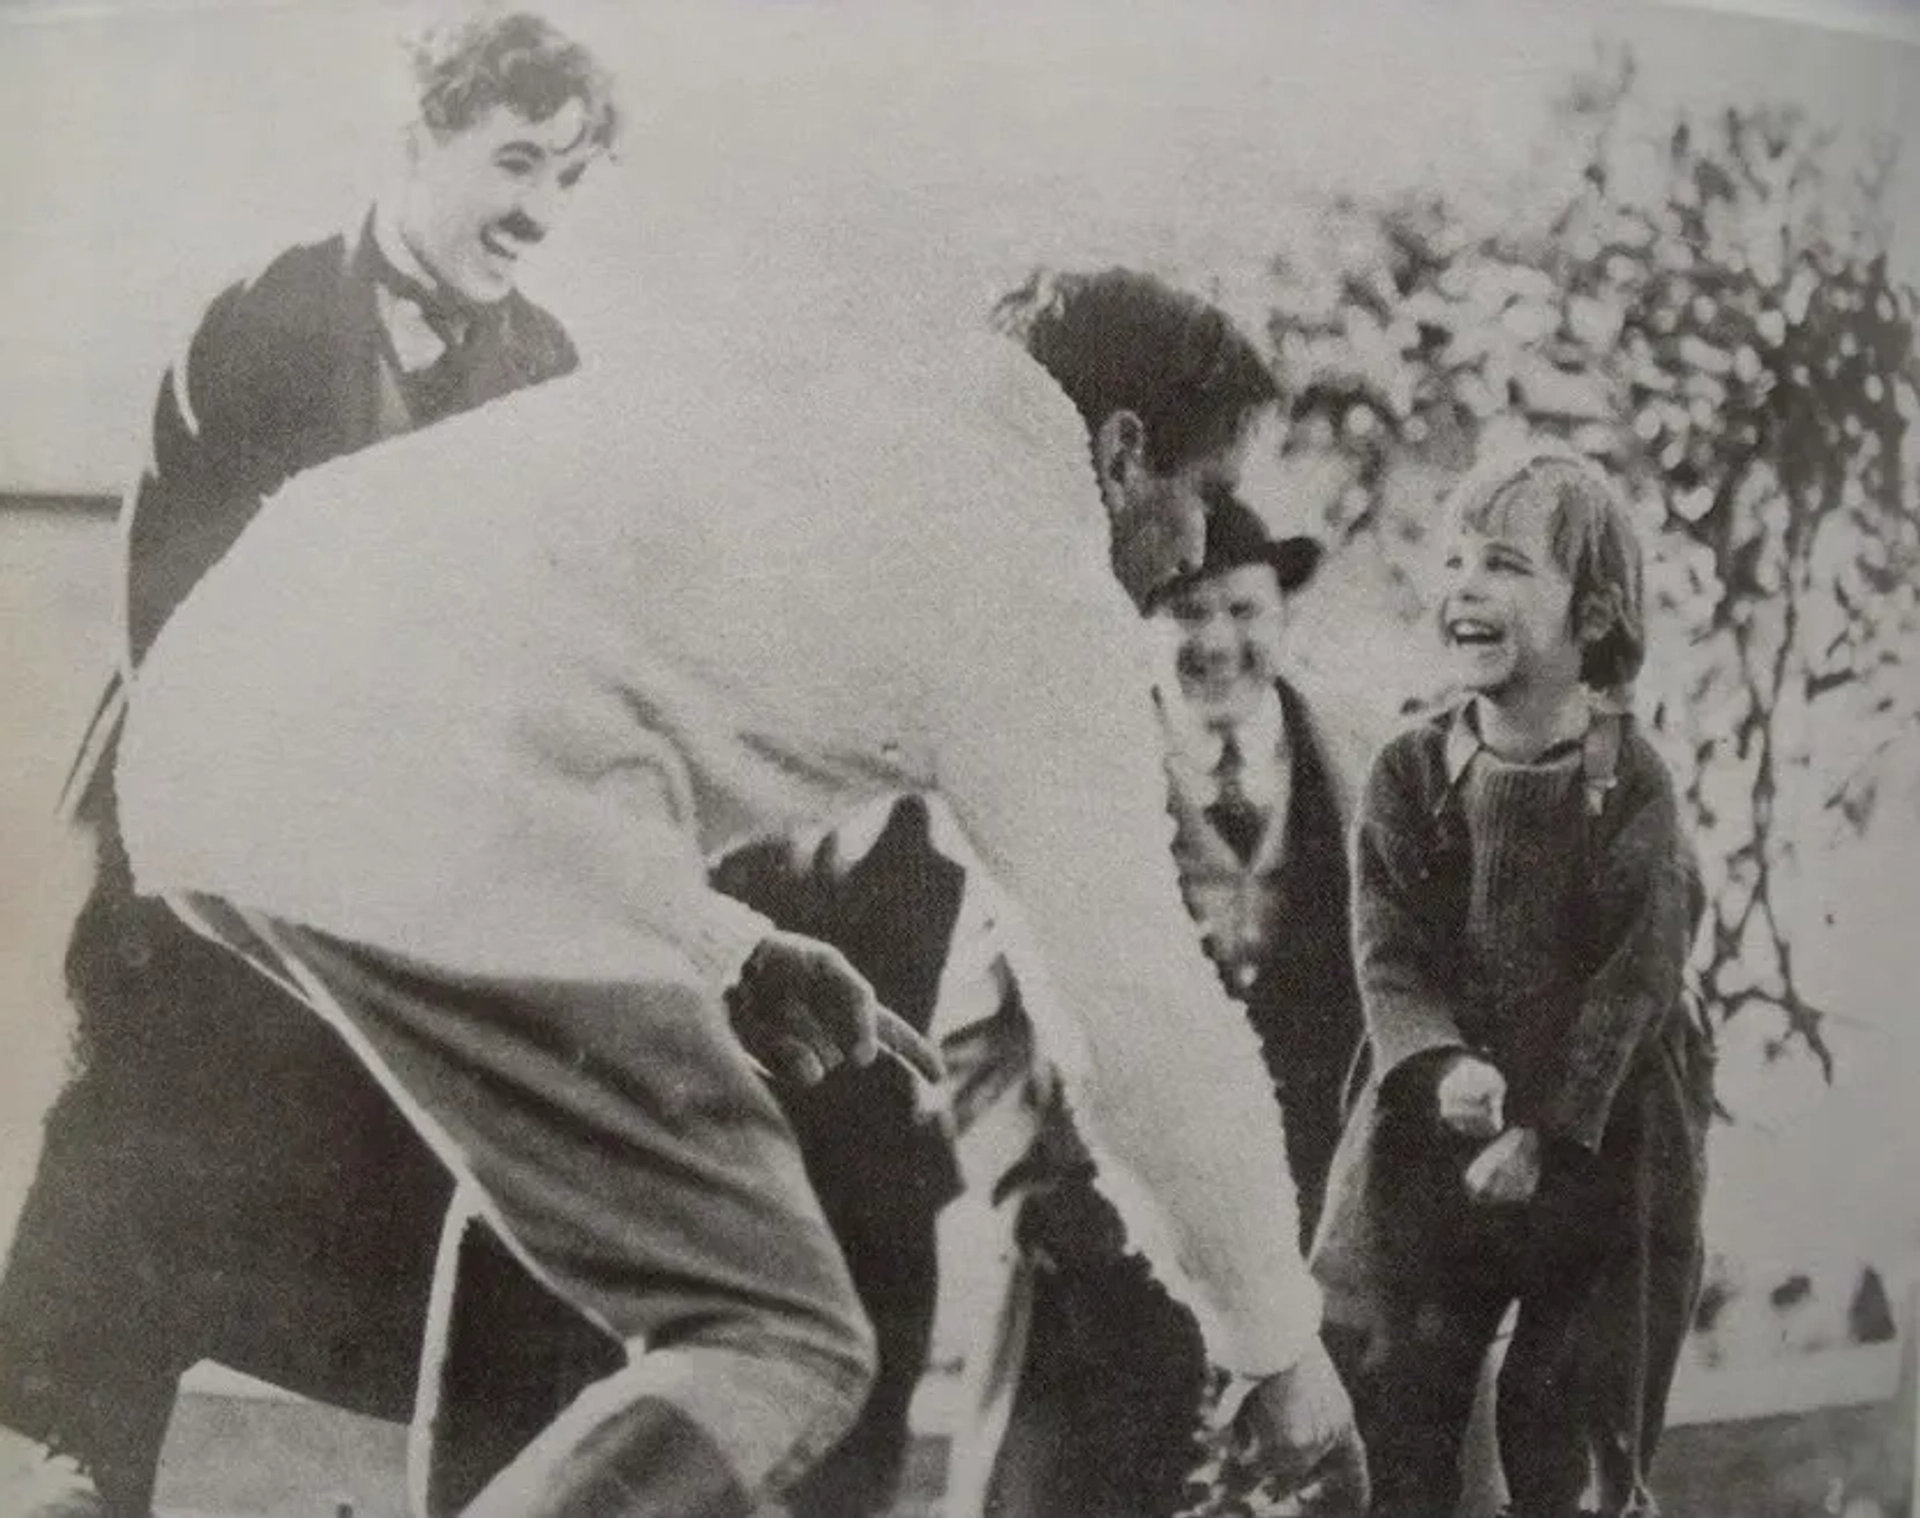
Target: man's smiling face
x,y
475,200
1231,624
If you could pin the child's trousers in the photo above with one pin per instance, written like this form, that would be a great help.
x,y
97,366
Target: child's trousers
x,y
1604,1265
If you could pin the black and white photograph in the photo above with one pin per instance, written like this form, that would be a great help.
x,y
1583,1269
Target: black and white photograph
x,y
819,759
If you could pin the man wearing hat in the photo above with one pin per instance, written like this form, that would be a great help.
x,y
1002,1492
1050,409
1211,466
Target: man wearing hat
x,y
1260,788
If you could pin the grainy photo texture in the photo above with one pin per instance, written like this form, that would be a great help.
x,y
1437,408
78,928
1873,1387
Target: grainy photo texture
x,y
1013,762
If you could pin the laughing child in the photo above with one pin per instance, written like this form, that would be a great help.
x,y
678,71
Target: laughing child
x,y
1532,1130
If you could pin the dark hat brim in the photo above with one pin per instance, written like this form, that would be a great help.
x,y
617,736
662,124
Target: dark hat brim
x,y
1294,561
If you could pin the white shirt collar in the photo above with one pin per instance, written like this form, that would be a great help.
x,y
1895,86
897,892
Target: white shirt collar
x,y
386,236
1261,737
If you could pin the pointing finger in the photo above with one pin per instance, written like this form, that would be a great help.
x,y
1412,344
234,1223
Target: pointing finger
x,y
790,1059
845,1008
898,1040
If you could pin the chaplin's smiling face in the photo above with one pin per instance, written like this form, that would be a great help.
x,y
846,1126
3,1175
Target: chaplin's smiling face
x,y
476,199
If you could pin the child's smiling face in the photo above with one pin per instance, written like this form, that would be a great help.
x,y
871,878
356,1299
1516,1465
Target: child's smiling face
x,y
1506,608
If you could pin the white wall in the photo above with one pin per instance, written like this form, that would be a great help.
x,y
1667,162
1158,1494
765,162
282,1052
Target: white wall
x,y
915,155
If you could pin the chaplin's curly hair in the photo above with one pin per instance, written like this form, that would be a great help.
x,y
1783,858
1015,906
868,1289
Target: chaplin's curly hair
x,y
465,68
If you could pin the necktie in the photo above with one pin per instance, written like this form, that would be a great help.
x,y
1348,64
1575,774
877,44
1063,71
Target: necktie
x,y
447,313
1233,815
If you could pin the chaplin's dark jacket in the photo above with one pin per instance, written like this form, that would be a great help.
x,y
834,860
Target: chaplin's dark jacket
x,y
287,370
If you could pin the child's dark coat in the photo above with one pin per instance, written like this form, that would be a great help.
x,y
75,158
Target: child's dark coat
x,y
1600,1054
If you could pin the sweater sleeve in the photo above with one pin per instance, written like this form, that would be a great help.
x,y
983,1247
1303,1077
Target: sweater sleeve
x,y
1049,755
1647,901
716,932
1402,937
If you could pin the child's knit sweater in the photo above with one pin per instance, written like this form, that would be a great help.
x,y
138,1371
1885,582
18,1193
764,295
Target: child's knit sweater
x,y
1492,912
1522,945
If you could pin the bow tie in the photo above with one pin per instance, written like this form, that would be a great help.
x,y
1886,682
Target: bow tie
x,y
449,315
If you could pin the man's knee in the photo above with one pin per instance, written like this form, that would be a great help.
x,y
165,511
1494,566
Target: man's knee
x,y
814,1318
773,1400
838,1347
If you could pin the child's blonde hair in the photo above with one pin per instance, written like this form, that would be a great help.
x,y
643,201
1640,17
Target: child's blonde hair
x,y
1593,541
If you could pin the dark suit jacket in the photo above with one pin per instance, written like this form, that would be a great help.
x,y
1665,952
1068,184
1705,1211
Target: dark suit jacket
x,y
287,370
1277,925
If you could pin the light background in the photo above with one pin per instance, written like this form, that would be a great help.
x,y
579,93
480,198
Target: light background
x,y
880,165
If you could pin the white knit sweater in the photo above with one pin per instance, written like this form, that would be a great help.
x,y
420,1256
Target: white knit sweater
x,y
487,694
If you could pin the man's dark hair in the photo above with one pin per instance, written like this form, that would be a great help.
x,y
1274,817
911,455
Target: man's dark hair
x,y
510,58
1124,341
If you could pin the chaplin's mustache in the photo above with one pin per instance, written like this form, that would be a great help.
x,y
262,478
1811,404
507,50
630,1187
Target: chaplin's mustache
x,y
521,227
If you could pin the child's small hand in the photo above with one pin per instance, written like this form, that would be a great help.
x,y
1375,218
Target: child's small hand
x,y
1472,1098
1507,1171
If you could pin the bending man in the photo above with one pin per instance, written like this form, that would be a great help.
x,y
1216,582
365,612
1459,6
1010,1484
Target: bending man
x,y
478,804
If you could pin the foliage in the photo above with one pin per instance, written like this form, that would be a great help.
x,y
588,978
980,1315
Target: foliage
x,y
1709,310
